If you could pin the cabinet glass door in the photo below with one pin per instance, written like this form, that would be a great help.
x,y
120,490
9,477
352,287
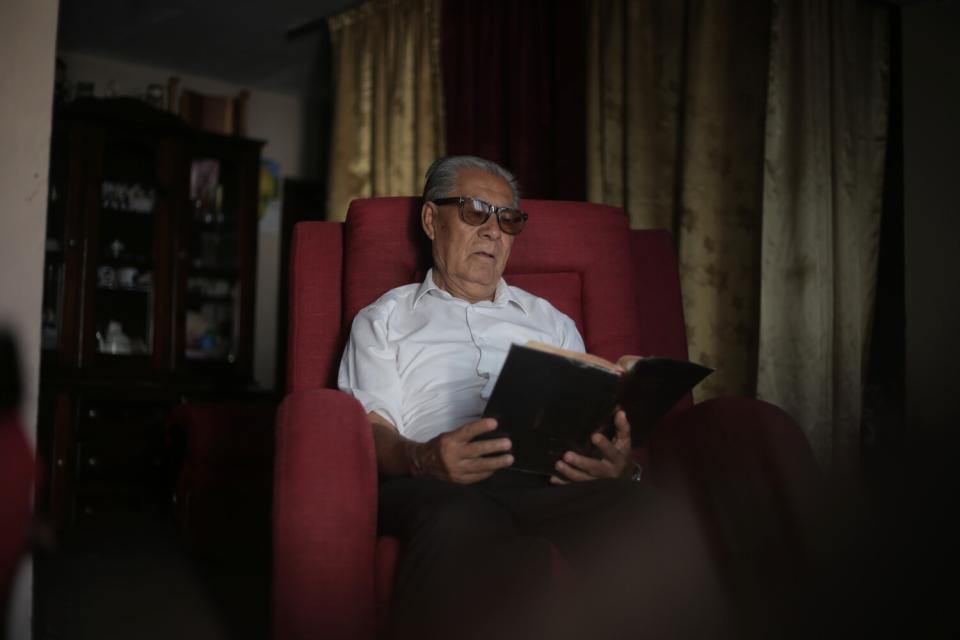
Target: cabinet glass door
x,y
125,250
213,270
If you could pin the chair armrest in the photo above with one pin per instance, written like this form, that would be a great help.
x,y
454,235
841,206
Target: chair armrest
x,y
747,471
325,517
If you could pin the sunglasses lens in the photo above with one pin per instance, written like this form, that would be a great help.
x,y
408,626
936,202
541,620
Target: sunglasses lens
x,y
511,221
474,212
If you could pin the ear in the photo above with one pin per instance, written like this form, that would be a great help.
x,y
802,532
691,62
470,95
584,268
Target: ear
x,y
428,219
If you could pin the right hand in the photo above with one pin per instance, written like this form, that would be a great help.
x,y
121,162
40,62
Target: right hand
x,y
453,456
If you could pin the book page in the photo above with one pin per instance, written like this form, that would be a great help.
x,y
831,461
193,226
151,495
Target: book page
x,y
588,358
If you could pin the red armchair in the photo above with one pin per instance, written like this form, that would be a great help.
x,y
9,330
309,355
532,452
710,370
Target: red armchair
x,y
17,472
332,574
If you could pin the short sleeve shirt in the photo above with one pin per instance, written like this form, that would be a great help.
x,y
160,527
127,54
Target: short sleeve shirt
x,y
427,361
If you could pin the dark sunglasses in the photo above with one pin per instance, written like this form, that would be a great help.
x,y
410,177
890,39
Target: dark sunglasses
x,y
476,212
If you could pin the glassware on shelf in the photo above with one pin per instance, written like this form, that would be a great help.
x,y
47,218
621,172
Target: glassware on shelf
x,y
121,196
106,277
114,340
144,281
124,278
210,287
127,277
140,200
117,247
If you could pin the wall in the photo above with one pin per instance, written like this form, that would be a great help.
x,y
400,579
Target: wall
x,y
28,30
273,117
931,102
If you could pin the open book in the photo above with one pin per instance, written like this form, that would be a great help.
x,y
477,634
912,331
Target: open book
x,y
549,400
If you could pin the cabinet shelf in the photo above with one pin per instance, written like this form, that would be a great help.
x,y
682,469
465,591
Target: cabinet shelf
x,y
126,261
139,352
125,290
134,214
211,271
200,298
205,356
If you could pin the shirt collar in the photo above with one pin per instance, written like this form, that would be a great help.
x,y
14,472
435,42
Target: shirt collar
x,y
503,295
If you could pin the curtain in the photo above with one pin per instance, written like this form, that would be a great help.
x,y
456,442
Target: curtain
x,y
514,85
755,130
675,136
388,122
826,139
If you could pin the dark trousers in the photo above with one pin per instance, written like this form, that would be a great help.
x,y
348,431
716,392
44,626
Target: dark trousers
x,y
484,560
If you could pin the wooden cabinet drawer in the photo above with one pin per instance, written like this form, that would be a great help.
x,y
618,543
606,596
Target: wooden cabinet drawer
x,y
107,505
119,458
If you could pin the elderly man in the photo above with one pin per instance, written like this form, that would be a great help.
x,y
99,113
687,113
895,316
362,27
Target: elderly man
x,y
423,360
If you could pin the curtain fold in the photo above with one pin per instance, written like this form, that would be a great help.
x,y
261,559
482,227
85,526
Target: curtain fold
x,y
826,142
388,117
755,131
634,78
675,136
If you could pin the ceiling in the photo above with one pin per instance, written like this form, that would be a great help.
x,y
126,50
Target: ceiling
x,y
243,42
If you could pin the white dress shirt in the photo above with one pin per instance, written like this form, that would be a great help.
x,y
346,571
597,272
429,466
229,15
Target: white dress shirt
x,y
427,361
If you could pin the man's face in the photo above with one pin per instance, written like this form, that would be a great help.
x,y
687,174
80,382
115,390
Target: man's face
x,y
468,261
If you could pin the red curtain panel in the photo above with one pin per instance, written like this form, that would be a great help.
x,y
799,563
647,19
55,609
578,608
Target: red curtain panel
x,y
513,74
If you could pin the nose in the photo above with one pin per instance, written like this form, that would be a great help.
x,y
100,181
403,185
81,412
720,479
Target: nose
x,y
491,228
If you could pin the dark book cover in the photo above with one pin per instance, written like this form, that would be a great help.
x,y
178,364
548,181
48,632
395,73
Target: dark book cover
x,y
550,402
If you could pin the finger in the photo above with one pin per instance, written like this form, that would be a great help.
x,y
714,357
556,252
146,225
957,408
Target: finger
x,y
471,430
591,466
486,447
607,448
623,429
557,480
484,465
622,424
470,478
572,473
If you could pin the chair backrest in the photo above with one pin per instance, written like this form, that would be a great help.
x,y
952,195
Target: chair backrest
x,y
579,256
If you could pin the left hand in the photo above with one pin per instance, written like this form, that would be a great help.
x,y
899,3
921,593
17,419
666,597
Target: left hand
x,y
615,463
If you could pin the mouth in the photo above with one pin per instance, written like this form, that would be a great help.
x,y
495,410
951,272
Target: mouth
x,y
485,254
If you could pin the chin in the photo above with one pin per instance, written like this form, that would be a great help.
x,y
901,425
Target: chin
x,y
486,277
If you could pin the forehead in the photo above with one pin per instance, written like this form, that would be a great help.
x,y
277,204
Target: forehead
x,y
477,183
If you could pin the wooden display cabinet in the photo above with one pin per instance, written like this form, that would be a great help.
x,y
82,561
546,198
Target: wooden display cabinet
x,y
148,294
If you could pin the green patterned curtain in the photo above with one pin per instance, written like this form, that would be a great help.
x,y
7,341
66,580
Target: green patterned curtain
x,y
755,131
